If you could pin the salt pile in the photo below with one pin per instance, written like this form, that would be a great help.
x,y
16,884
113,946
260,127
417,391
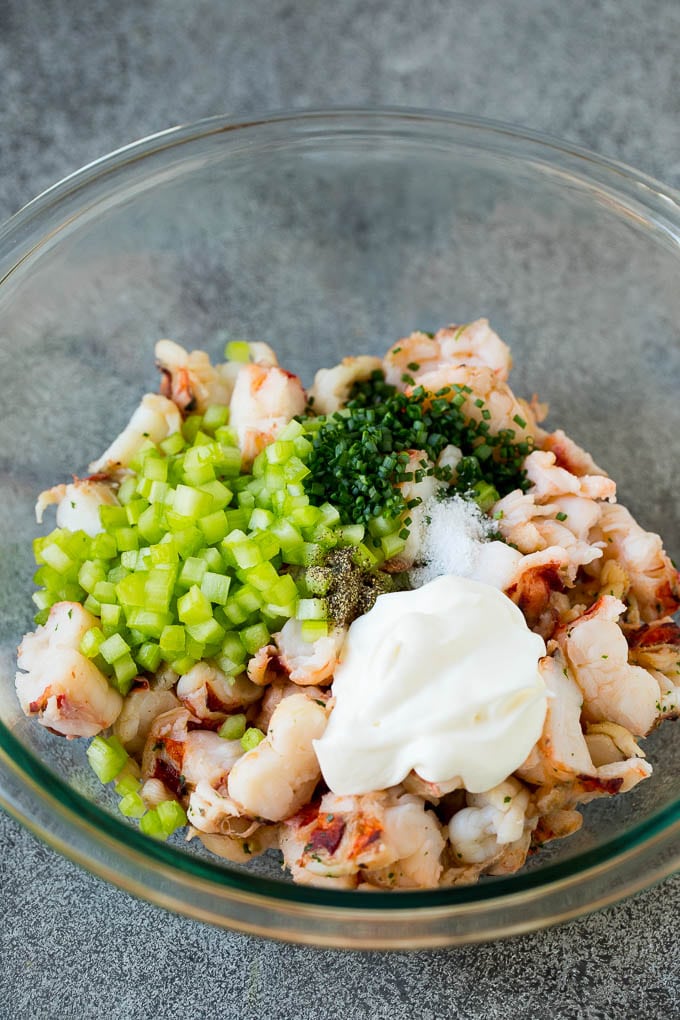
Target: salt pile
x,y
455,538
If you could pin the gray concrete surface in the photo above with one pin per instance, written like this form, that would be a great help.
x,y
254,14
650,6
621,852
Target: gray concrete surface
x,y
80,80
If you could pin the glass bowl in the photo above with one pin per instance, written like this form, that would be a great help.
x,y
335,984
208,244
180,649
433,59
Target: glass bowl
x,y
329,233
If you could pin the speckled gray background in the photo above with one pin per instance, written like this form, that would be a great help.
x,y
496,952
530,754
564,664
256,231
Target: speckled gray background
x,y
80,80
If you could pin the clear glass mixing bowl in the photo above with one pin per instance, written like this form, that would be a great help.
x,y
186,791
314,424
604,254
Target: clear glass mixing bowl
x,y
327,234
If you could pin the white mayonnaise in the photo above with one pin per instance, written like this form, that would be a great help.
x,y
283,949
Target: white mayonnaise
x,y
443,680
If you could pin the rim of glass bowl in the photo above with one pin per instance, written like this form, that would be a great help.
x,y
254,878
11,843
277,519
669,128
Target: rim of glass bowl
x,y
221,895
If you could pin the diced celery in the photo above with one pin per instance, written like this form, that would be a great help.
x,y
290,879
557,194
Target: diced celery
x,y
249,598
132,806
200,476
312,630
212,559
285,590
57,558
183,664
127,784
255,637
281,503
192,571
485,495
115,647
246,501
126,490
194,649
105,591
326,537
191,502
291,430
220,493
235,612
172,640
246,553
90,573
251,738
214,416
148,448
237,350
214,526
172,816
268,544
238,520
104,547
279,451
302,447
159,587
91,642
126,539
191,426
329,515
110,615
155,468
107,757
163,552
188,541
151,825
194,607
70,592
144,486
276,611
209,632
259,466
232,646
264,576
173,444
294,470
233,727
125,670
48,577
306,516
226,437
392,544
147,622
260,519
90,603
229,462
215,587
351,534
135,508
112,517
129,591
379,526
151,523
44,599
286,533
149,656
312,609
366,556
305,554
160,493
264,498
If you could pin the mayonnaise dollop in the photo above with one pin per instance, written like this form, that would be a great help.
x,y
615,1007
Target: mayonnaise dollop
x,y
443,680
